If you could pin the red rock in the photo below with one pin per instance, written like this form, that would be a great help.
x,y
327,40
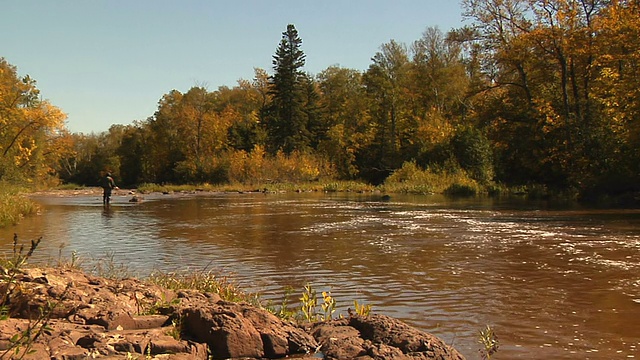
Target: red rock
x,y
228,334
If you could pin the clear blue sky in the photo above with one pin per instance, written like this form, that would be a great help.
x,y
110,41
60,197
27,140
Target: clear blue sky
x,y
107,62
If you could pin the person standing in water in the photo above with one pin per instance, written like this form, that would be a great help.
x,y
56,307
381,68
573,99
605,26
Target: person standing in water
x,y
107,184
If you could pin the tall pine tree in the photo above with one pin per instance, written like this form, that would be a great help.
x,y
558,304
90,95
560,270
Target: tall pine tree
x,y
287,120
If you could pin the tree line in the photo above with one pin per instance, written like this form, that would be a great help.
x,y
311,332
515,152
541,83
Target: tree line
x,y
532,92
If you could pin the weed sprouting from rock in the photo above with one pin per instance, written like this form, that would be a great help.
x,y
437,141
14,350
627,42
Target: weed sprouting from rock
x,y
205,281
362,309
328,305
309,301
308,310
284,310
110,269
489,342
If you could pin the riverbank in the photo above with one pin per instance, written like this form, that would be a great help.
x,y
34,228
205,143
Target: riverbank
x,y
65,313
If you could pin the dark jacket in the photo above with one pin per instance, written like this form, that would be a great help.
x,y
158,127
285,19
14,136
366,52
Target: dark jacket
x,y
107,183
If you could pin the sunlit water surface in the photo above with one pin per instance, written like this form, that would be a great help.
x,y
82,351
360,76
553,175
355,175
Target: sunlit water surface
x,y
554,282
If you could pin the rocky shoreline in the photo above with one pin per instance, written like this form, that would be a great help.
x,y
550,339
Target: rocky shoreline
x,y
93,317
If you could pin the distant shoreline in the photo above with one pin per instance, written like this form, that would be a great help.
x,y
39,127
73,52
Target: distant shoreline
x,y
68,192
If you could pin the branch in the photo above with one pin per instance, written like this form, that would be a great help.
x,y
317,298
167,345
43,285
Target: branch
x,y
15,138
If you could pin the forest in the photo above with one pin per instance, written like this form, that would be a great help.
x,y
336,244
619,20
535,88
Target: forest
x,y
532,93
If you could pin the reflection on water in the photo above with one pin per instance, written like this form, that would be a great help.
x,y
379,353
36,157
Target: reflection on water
x,y
554,283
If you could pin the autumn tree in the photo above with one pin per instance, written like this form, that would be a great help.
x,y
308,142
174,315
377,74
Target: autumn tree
x,y
439,80
134,158
74,166
386,82
500,64
543,63
32,130
438,94
200,130
249,100
616,97
166,148
188,130
345,109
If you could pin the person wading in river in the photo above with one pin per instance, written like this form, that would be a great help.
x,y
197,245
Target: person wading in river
x,y
107,184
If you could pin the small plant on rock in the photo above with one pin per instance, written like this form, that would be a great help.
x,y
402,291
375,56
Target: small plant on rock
x,y
74,263
158,307
328,305
362,309
283,311
107,267
489,341
309,303
176,329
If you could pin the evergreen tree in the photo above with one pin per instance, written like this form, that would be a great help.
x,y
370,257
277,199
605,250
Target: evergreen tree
x,y
287,120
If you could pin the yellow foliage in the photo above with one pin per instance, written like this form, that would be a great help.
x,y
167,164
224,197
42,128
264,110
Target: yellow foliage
x,y
256,167
434,129
248,168
412,179
29,128
549,118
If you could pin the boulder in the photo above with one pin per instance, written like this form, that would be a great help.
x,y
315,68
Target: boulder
x,y
233,330
379,337
228,334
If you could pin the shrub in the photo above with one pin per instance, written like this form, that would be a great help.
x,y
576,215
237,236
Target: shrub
x,y
257,167
460,190
411,179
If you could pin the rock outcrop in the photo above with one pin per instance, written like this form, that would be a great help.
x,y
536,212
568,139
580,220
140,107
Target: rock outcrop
x,y
93,317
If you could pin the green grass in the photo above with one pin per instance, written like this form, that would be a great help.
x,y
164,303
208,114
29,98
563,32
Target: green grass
x,y
332,186
149,187
14,205
348,186
205,281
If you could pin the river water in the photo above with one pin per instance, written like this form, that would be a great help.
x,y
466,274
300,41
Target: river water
x,y
553,281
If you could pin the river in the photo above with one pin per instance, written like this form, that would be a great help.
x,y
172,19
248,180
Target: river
x,y
553,281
